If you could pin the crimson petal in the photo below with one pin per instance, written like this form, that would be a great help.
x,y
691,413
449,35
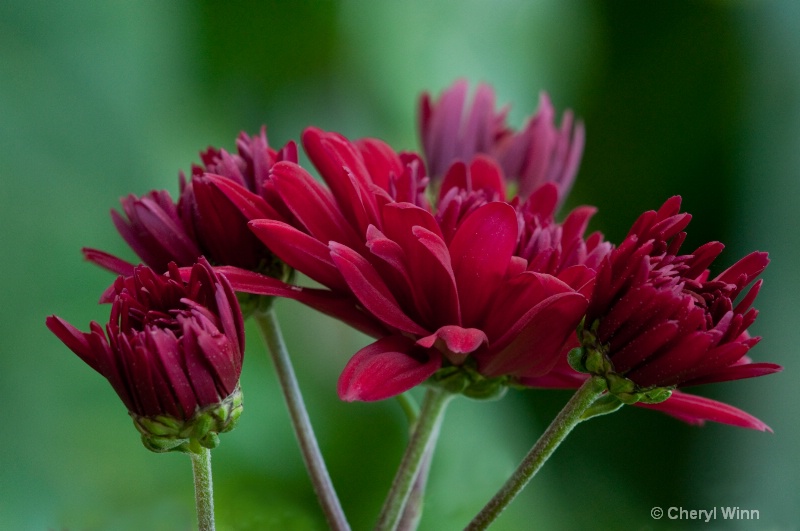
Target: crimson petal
x,y
336,305
301,251
538,344
386,368
481,252
697,409
455,342
367,285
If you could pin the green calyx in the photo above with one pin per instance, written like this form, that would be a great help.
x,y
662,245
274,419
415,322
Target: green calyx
x,y
592,358
163,433
465,380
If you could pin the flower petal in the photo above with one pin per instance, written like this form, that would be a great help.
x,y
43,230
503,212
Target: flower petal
x,y
454,342
342,167
301,251
249,204
386,368
481,252
369,288
336,305
108,261
736,372
74,339
697,409
313,205
536,347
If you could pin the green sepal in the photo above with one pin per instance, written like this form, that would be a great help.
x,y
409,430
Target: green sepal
x,y
467,381
492,389
165,444
575,359
451,379
656,396
595,362
166,434
629,398
602,406
619,385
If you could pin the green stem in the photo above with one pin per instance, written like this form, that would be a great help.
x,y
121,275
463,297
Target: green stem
x,y
323,487
410,408
562,425
203,487
412,512
422,441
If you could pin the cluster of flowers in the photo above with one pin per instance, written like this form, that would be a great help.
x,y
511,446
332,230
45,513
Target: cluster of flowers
x,y
452,259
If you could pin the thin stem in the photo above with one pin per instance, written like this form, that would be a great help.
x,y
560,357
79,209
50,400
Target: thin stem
x,y
412,512
410,408
270,331
422,440
203,487
562,425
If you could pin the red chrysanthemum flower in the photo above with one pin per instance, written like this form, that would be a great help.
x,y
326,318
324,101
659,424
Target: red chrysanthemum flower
x,y
656,321
172,351
451,129
442,286
203,222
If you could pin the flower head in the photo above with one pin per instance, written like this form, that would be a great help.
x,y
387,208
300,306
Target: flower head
x,y
452,129
440,284
657,320
172,351
203,221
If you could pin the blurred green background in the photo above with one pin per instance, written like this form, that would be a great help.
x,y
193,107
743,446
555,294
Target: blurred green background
x,y
101,99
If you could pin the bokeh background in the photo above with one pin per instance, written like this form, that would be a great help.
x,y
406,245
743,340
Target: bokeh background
x,y
101,99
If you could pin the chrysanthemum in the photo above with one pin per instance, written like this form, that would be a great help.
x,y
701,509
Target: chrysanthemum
x,y
658,321
442,283
172,351
203,221
451,129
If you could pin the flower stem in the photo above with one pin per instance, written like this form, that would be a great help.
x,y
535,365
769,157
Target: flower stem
x,y
203,488
562,425
421,443
412,512
323,487
410,408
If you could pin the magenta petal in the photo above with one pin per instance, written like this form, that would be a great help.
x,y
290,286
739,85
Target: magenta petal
x,y
74,339
537,346
514,301
367,285
386,368
456,177
108,261
427,260
381,161
342,167
249,204
301,251
736,372
485,174
455,342
432,270
697,409
746,269
336,305
481,252
312,204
